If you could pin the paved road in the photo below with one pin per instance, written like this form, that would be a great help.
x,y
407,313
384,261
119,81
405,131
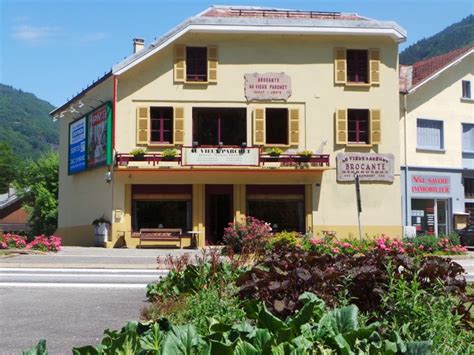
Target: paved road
x,y
81,257
67,307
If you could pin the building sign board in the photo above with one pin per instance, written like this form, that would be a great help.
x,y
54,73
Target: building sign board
x,y
368,166
77,146
430,184
267,86
225,156
90,140
97,136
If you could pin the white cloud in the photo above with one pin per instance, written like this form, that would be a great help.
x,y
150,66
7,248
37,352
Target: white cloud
x,y
33,34
95,36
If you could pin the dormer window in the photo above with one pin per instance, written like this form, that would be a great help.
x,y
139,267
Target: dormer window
x,y
196,64
357,66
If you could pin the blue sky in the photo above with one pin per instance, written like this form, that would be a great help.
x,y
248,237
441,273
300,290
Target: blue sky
x,y
54,48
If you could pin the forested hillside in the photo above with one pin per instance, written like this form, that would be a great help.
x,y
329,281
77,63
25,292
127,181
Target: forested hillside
x,y
25,123
458,35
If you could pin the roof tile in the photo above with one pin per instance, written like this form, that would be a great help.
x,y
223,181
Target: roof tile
x,y
425,68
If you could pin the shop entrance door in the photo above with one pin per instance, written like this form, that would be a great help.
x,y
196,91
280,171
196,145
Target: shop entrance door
x,y
219,211
430,216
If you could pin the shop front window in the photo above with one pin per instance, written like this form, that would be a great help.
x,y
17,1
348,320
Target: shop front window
x,y
162,214
215,126
283,215
430,216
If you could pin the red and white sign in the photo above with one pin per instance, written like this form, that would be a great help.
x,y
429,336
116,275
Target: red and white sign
x,y
267,86
430,184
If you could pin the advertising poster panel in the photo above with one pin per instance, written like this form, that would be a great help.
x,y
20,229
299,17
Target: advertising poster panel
x,y
99,137
77,146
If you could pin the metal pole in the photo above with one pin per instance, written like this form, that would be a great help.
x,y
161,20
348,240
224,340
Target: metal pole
x,y
359,204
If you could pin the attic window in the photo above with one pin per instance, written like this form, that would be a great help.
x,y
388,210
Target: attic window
x,y
196,64
357,66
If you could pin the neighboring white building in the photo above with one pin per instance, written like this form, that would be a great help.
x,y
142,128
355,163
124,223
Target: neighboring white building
x,y
437,141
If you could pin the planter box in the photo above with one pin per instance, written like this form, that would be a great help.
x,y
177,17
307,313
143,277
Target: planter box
x,y
272,164
167,163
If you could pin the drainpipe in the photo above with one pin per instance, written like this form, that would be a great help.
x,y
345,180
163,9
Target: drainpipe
x,y
114,113
405,109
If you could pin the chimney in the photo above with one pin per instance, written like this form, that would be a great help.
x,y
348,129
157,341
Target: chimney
x,y
138,44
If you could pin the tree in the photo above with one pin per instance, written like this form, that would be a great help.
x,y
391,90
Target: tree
x,y
8,167
38,184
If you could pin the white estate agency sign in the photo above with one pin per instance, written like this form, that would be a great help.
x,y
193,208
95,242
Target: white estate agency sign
x,y
221,156
368,166
267,86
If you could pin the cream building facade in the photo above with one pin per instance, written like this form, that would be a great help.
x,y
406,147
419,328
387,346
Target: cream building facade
x,y
437,141
208,99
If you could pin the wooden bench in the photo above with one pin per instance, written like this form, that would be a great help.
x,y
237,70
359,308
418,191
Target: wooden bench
x,y
163,235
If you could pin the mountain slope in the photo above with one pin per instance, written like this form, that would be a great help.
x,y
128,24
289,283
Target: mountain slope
x,y
458,35
25,123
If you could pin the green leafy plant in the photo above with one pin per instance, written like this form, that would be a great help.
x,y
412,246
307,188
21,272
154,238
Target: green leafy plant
x,y
169,154
38,184
100,220
417,313
274,151
313,327
138,153
283,274
285,239
305,153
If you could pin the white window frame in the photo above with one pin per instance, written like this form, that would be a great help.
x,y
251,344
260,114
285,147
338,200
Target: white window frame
x,y
430,148
468,83
462,137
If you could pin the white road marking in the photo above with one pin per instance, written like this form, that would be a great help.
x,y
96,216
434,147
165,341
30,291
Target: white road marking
x,y
74,275
70,285
136,271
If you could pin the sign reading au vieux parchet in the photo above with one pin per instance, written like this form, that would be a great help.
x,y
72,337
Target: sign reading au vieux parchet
x,y
368,166
267,86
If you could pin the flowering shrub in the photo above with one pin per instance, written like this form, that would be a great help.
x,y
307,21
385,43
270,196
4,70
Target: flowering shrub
x,y
41,242
252,235
12,241
421,245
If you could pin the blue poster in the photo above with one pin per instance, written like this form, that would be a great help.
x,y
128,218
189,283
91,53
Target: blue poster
x,y
77,146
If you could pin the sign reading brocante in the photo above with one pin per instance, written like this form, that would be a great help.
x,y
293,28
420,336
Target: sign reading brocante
x,y
267,86
368,166
225,156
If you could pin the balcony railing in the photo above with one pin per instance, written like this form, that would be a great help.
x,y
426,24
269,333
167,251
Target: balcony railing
x,y
151,159
264,160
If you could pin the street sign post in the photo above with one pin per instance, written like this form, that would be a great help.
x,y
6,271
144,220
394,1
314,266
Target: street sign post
x,y
359,204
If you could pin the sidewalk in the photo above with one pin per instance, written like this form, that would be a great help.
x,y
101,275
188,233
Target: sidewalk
x,y
94,258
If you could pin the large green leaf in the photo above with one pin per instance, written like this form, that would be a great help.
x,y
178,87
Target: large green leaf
x,y
361,333
313,308
182,340
219,348
152,339
245,348
87,350
419,348
343,346
269,321
260,339
39,349
344,319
